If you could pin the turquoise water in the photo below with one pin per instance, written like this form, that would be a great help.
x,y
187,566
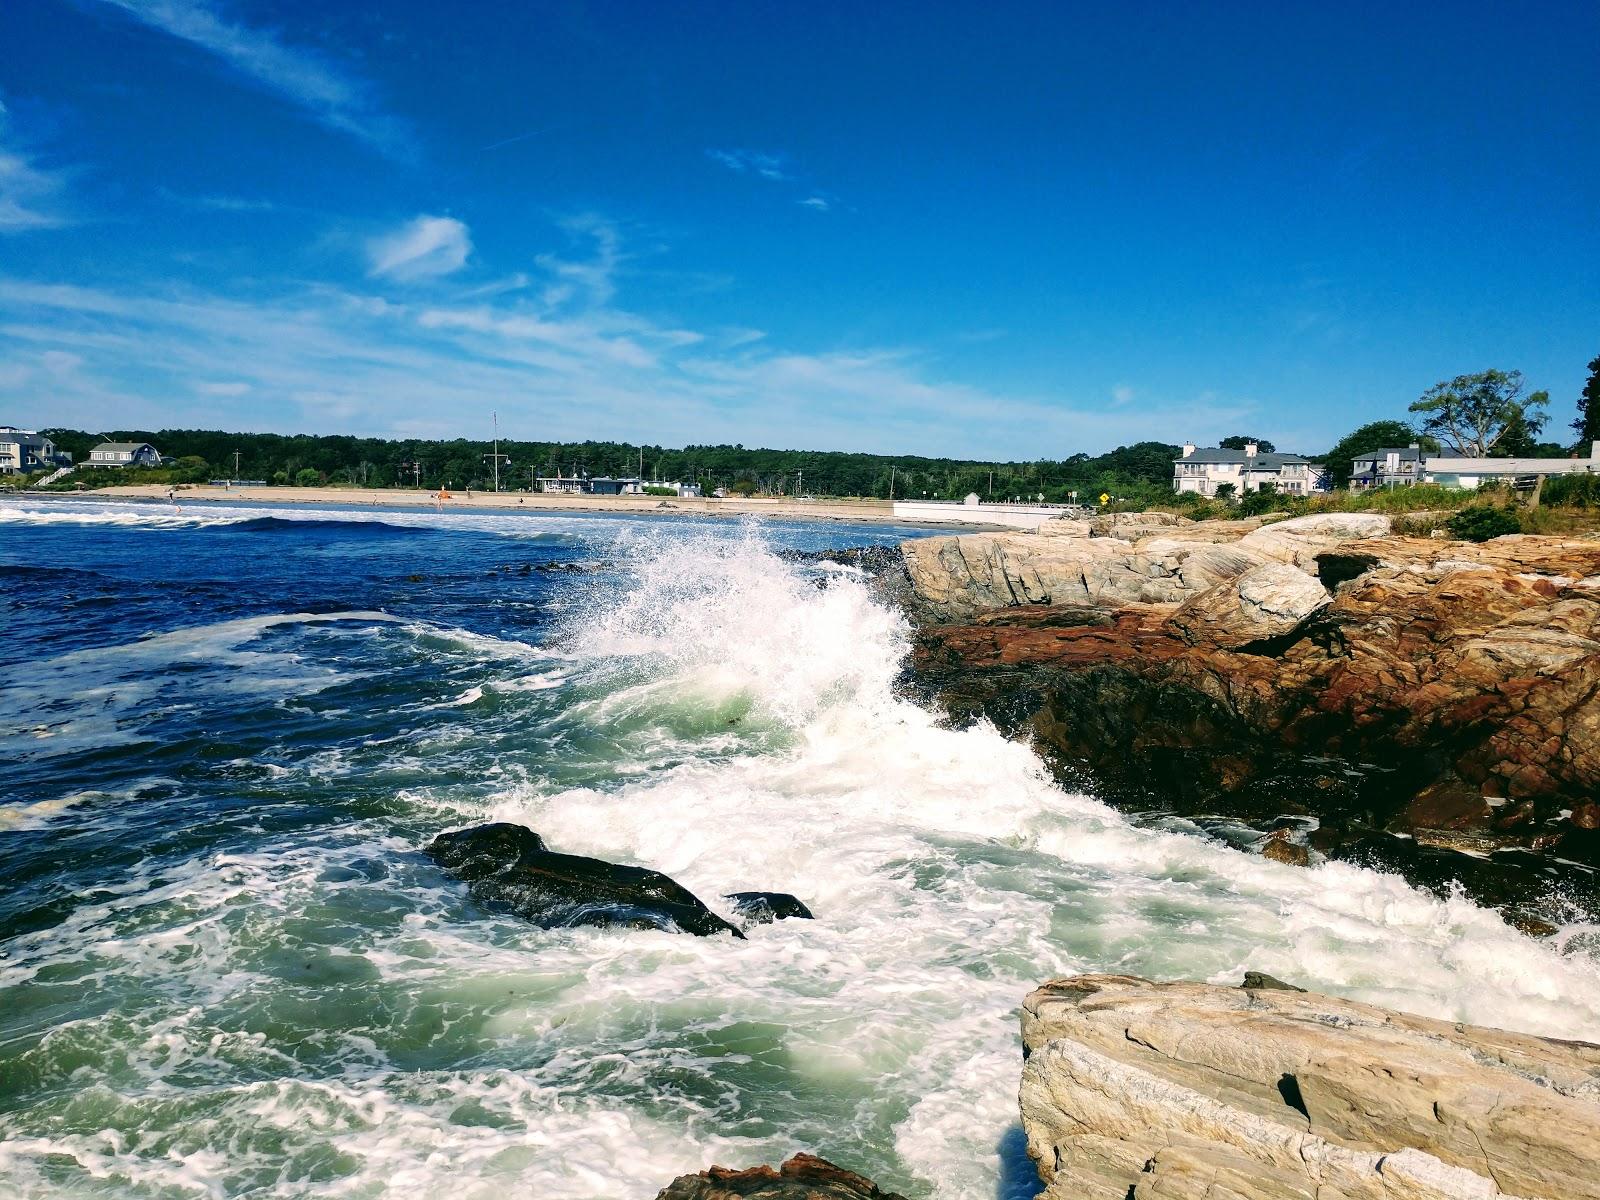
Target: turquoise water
x,y
226,969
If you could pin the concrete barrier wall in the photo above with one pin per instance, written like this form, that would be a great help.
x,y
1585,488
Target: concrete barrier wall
x,y
1020,516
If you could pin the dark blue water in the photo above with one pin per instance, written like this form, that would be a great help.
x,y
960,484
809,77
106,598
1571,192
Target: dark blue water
x,y
227,970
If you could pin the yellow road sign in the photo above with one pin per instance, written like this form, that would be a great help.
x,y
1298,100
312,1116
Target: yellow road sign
x,y
1104,498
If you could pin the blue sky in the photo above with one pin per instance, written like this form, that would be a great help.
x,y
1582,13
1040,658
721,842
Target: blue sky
x,y
1001,230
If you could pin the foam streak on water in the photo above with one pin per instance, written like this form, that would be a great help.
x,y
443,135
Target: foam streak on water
x,y
309,1007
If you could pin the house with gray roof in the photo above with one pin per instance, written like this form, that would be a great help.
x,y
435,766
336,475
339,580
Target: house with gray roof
x,y
23,451
1391,466
124,454
1203,469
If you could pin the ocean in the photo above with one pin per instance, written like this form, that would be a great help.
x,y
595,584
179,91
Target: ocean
x,y
227,969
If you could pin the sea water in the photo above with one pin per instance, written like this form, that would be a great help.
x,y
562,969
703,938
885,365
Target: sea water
x,y
227,970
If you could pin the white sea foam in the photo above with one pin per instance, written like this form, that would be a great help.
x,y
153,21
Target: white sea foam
x,y
154,515
462,1052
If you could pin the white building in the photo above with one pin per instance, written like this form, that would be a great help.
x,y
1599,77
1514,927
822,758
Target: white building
x,y
1204,469
23,450
1388,467
1472,472
124,454
599,485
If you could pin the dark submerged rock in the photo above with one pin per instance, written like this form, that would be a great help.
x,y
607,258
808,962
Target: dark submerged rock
x,y
1260,981
508,867
763,908
803,1177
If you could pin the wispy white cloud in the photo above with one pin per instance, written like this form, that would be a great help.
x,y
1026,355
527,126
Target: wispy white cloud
x,y
31,196
423,248
330,95
753,162
563,360
776,168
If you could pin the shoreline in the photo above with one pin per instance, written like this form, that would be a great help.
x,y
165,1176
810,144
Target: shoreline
x,y
865,512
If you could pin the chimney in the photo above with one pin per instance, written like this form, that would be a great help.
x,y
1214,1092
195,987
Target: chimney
x,y
1188,448
1250,449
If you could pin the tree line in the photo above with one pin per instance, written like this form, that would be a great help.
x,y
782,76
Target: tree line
x,y
339,460
1471,415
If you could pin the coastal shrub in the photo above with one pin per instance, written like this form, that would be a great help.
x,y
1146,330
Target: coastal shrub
x,y
307,477
659,491
1225,491
1420,524
1481,522
1263,500
1575,491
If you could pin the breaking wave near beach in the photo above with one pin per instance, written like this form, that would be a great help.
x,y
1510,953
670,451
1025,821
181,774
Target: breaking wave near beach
x,y
228,968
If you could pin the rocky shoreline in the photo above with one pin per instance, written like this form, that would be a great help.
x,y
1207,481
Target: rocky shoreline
x,y
1134,1090
1425,706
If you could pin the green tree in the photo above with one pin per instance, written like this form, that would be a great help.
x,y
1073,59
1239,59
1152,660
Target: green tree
x,y
1240,440
1519,440
1588,422
1225,491
1471,414
1375,435
307,477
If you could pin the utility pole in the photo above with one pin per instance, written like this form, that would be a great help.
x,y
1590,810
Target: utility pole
x,y
497,458
891,481
236,466
799,484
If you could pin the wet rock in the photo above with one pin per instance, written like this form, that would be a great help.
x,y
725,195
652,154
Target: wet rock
x,y
803,1177
1284,851
763,908
1189,1091
1261,981
1447,690
508,867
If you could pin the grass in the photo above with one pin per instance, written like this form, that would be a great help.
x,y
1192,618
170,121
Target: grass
x,y
1567,506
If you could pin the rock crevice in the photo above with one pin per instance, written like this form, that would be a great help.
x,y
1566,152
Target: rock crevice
x,y
1189,1091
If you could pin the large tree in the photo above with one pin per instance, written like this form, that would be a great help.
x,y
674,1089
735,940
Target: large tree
x,y
1588,422
1520,440
1376,435
1240,440
1471,414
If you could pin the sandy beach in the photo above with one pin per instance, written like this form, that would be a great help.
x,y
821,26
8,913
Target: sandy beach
x,y
877,512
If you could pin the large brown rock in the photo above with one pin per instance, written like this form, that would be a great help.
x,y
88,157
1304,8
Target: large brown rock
x,y
1460,670
1132,1089
958,577
803,1177
1299,540
1266,602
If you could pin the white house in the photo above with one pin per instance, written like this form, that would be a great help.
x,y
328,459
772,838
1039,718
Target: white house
x,y
1471,472
124,454
1204,469
23,450
599,485
1389,467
